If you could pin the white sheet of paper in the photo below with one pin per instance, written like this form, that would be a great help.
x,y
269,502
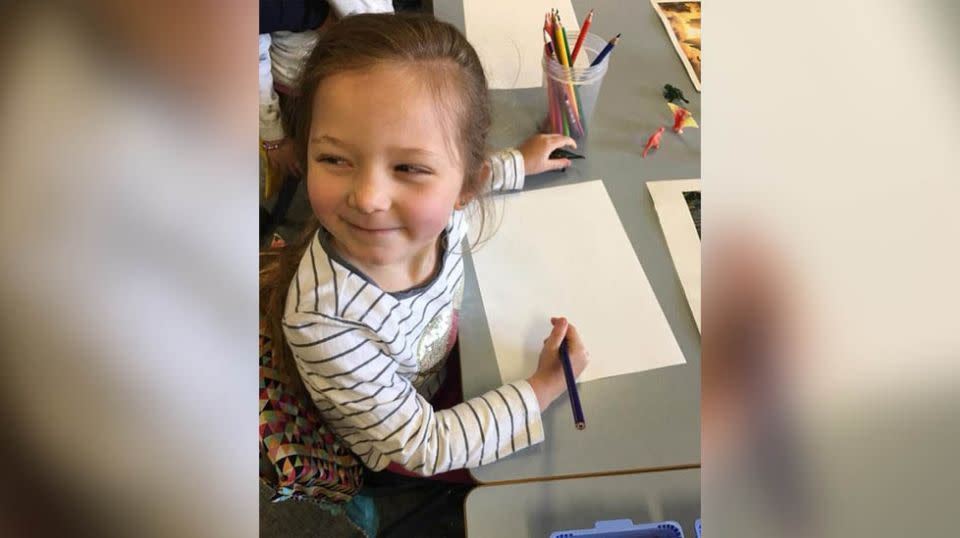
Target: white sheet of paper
x,y
683,242
562,252
508,37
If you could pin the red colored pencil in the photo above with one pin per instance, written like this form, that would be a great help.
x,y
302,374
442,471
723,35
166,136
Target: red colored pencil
x,y
583,34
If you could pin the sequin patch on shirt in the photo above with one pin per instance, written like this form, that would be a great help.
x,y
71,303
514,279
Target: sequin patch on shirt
x,y
435,341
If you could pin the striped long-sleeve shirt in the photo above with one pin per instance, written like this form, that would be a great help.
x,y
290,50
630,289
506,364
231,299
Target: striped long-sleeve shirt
x,y
372,359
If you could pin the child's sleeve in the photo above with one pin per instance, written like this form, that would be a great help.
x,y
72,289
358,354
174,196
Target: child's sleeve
x,y
344,8
380,415
506,170
270,127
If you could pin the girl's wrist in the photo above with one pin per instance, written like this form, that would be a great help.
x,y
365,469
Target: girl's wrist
x,y
270,145
545,390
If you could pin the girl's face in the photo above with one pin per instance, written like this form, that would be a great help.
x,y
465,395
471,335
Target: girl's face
x,y
382,173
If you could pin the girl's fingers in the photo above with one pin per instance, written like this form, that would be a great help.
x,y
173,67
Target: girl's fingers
x,y
557,334
559,141
558,164
573,337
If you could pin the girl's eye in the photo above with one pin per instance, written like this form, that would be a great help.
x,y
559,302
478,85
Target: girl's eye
x,y
331,159
412,169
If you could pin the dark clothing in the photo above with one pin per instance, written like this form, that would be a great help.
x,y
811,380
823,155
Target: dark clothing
x,y
292,15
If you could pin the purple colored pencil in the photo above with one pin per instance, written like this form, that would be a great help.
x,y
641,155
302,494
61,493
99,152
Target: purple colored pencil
x,y
572,392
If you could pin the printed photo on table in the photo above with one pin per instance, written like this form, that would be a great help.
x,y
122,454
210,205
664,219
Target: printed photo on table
x,y
677,203
693,205
682,22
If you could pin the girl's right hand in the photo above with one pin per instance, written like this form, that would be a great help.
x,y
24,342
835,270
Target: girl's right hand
x,y
536,153
284,159
548,381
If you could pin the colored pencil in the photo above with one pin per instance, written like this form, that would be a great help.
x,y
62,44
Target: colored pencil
x,y
564,61
577,124
606,50
556,125
572,392
576,91
583,33
551,29
566,44
551,121
573,87
546,29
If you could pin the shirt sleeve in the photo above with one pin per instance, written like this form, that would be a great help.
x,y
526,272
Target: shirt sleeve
x,y
362,395
270,127
506,170
289,52
352,7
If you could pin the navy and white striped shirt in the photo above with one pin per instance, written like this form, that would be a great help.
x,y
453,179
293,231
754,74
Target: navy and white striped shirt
x,y
371,360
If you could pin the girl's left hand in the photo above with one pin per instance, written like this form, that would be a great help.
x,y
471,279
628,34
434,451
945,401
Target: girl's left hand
x,y
536,153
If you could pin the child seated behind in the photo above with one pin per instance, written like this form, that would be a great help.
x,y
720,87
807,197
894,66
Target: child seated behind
x,y
391,131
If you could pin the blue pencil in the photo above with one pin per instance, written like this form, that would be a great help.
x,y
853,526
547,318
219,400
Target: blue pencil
x,y
578,419
606,50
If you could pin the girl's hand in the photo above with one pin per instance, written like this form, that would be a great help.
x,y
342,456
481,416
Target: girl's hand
x,y
548,382
536,152
284,159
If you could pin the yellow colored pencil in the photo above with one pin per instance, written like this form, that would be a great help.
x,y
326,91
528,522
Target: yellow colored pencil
x,y
563,57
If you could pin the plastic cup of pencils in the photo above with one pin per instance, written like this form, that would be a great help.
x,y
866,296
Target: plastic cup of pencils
x,y
571,92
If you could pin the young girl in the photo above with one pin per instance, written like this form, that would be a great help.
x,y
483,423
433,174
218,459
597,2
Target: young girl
x,y
391,130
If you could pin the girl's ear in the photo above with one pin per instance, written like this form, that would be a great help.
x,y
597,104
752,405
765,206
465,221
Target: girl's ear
x,y
473,186
463,201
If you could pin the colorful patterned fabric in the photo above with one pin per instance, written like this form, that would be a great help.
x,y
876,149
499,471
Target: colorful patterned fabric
x,y
310,462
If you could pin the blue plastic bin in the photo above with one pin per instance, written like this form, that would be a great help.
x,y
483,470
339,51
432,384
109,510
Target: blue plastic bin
x,y
697,525
625,528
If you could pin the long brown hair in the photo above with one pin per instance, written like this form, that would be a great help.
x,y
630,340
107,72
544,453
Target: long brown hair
x,y
451,68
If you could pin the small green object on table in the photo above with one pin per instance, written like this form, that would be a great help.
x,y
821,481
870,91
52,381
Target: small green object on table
x,y
672,93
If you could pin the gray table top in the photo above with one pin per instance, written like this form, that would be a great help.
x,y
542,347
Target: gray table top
x,y
643,421
539,508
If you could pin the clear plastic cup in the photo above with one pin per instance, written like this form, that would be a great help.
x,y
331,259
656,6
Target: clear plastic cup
x,y
571,92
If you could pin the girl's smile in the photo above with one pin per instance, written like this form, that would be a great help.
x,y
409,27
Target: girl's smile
x,y
372,230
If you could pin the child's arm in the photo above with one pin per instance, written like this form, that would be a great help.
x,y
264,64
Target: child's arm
x,y
345,8
278,146
509,167
379,414
271,129
506,170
